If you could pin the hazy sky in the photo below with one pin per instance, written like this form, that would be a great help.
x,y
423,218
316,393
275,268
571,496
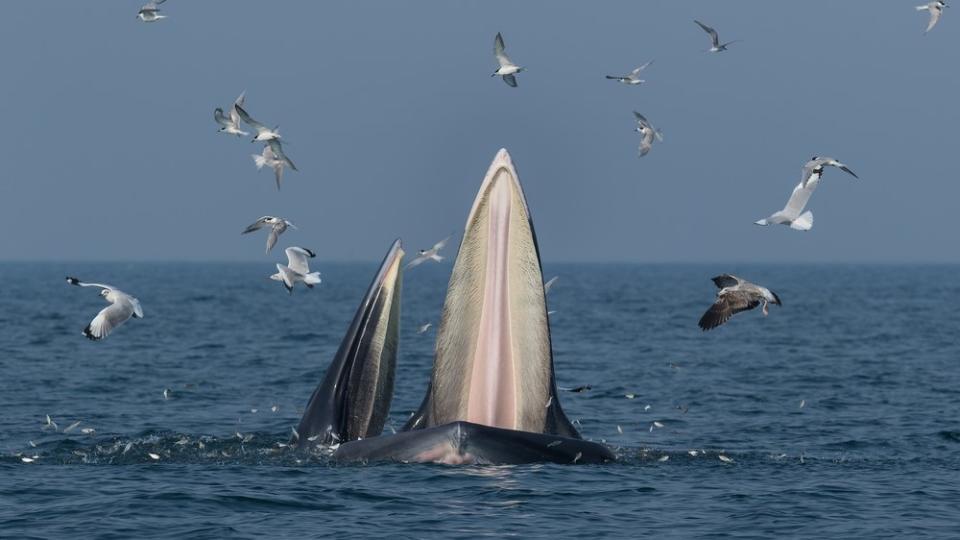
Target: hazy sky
x,y
110,151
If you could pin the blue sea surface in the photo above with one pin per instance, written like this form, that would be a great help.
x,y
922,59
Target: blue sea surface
x,y
837,415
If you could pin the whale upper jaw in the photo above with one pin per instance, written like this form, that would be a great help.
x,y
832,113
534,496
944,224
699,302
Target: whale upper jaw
x,y
493,364
353,399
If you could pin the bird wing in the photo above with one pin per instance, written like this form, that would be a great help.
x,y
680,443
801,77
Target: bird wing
x,y
111,317
240,98
277,149
808,168
78,283
801,194
256,225
641,119
246,117
273,236
441,244
510,80
499,50
726,306
297,259
416,262
549,284
152,5
726,280
220,117
135,303
714,38
934,17
277,172
843,167
641,68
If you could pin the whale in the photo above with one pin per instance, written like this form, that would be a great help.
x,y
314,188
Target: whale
x,y
492,396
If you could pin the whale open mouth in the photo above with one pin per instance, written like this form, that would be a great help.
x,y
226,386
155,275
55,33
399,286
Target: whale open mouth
x,y
493,363
353,400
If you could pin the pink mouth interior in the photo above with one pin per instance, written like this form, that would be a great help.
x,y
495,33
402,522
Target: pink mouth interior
x,y
492,389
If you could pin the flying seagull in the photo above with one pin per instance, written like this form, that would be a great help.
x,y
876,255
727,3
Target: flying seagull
x,y
230,124
507,68
816,165
735,295
633,78
645,128
270,158
714,38
430,254
297,269
792,214
936,9
277,227
264,133
122,307
150,12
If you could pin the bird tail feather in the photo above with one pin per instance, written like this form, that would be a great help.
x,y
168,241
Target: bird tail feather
x,y
313,278
259,160
804,222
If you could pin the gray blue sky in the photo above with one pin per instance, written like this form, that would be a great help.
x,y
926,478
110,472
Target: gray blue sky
x,y
110,151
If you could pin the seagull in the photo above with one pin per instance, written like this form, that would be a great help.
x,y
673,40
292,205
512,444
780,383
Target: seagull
x,y
297,269
507,68
264,133
936,9
424,328
645,128
735,295
792,214
277,227
714,38
150,12
633,78
271,158
230,124
430,254
816,165
123,306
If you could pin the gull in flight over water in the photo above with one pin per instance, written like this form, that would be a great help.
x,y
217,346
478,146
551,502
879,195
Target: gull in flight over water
x,y
645,128
230,124
150,12
735,295
715,45
816,165
273,157
633,78
122,307
297,269
507,68
430,254
936,9
264,133
423,328
792,214
277,225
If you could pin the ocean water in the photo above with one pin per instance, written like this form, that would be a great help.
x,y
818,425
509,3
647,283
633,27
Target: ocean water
x,y
838,413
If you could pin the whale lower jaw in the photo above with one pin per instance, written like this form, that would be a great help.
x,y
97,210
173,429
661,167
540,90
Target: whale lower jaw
x,y
466,443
